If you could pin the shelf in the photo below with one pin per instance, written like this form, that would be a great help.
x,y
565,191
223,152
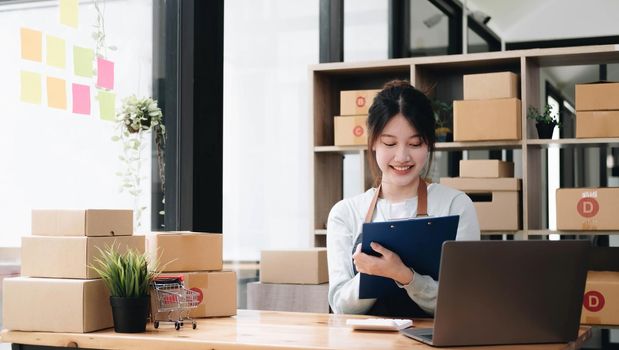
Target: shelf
x,y
320,232
565,143
440,146
570,233
494,233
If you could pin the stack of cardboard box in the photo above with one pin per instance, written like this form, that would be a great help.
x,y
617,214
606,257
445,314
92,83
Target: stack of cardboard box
x,y
597,110
291,280
62,292
601,300
491,109
494,191
350,127
197,257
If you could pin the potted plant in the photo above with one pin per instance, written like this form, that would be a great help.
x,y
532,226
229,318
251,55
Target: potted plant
x,y
442,113
139,118
545,122
128,278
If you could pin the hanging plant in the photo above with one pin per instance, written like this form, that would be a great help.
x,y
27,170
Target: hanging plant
x,y
138,119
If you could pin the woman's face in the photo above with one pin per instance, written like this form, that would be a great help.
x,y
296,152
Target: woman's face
x,y
400,152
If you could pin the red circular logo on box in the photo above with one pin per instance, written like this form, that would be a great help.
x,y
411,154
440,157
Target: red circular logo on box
x,y
358,130
593,301
200,294
588,207
360,101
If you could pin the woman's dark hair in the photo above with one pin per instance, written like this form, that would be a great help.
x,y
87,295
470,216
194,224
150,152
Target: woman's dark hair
x,y
399,96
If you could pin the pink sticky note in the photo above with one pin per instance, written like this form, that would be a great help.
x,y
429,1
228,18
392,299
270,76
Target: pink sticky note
x,y
81,99
105,73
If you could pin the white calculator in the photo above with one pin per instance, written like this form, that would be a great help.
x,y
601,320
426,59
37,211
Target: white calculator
x,y
379,324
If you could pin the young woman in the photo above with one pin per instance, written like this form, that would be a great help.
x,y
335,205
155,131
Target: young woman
x,y
401,144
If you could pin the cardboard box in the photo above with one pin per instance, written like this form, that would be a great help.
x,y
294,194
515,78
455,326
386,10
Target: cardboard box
x,y
217,293
497,201
490,85
485,120
186,251
350,130
56,305
84,222
597,124
482,185
302,266
484,168
597,96
588,208
288,297
355,102
601,299
69,257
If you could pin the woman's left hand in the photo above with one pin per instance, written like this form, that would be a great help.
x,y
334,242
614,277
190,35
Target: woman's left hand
x,y
388,265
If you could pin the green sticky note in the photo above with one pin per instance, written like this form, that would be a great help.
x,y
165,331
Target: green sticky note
x,y
107,105
31,87
83,59
55,51
69,12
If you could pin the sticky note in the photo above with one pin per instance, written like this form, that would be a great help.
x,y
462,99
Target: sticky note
x,y
107,105
55,51
69,13
105,73
31,44
30,87
82,61
81,99
56,93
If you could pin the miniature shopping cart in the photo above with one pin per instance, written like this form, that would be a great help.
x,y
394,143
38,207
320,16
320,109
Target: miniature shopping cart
x,y
172,301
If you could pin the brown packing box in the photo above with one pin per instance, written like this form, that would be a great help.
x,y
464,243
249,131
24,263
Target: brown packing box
x,y
597,124
355,102
597,96
217,293
490,85
69,257
350,130
84,222
56,305
186,251
301,266
496,201
588,208
484,120
601,299
483,168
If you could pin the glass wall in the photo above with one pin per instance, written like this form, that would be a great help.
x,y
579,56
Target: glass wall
x,y
59,92
268,45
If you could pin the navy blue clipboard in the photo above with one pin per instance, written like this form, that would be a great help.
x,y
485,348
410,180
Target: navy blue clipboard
x,y
417,241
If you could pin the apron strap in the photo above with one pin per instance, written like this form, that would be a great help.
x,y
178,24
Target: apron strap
x,y
422,201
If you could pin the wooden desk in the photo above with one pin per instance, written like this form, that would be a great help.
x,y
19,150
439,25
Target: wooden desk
x,y
252,329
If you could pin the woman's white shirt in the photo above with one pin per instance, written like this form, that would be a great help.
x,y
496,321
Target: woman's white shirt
x,y
344,226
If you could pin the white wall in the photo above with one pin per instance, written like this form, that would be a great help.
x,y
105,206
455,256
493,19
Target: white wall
x,y
54,158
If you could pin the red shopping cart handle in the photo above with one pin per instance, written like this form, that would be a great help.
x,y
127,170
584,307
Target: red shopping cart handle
x,y
169,279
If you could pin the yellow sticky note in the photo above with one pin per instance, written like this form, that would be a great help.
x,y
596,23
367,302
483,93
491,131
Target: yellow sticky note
x,y
31,87
83,59
69,12
31,44
56,93
55,51
107,105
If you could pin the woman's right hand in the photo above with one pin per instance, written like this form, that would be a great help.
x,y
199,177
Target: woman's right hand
x,y
388,265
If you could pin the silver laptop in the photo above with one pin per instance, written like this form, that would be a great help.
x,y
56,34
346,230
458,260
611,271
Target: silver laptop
x,y
508,292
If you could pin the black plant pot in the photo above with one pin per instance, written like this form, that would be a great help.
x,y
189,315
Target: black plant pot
x,y
130,314
448,137
544,131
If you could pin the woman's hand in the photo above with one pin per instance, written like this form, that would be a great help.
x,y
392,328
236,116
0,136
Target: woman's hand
x,y
388,265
